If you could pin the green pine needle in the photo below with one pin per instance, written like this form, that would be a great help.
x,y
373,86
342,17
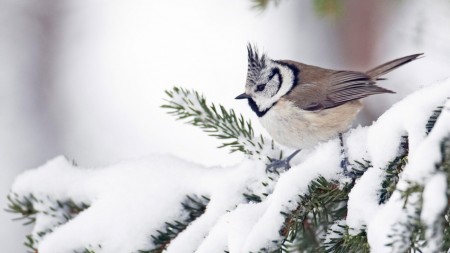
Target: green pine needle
x,y
25,208
195,206
233,130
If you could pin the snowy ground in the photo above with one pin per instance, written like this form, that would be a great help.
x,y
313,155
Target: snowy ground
x,y
113,59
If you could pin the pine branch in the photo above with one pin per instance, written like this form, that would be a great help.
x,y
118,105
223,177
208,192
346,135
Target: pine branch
x,y
411,235
86,250
236,133
318,222
393,171
30,243
194,206
339,240
262,5
396,166
25,207
446,230
432,120
317,210
326,203
445,167
332,8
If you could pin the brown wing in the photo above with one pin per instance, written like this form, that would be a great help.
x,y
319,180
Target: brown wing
x,y
345,86
319,88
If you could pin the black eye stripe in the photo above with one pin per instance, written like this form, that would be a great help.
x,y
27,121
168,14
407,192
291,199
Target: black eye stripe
x,y
260,87
275,71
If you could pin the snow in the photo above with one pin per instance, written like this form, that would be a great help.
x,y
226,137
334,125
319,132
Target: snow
x,y
434,198
338,226
420,170
131,191
132,200
407,117
157,185
113,59
290,185
434,204
356,138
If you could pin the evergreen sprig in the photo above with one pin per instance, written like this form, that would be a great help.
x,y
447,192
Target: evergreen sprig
x,y
86,250
236,133
25,207
411,234
446,230
263,4
195,206
433,118
339,240
445,167
316,212
318,222
393,170
326,203
331,8
22,206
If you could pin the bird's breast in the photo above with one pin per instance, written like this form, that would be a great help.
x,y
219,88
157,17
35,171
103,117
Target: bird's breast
x,y
296,128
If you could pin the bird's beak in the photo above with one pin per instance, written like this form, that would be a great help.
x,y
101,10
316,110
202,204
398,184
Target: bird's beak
x,y
243,96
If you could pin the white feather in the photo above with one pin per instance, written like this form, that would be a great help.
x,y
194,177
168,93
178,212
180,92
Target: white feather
x,y
265,102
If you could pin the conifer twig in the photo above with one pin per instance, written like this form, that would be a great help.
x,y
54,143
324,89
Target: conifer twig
x,y
236,133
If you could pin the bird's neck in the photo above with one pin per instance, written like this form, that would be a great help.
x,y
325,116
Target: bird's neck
x,y
255,108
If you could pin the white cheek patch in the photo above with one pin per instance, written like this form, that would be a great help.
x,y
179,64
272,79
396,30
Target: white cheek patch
x,y
288,81
271,88
287,77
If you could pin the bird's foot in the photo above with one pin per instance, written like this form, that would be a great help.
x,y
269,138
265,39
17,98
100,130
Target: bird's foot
x,y
276,164
345,164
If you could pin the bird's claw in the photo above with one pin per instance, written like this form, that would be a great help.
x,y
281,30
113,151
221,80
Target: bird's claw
x,y
345,164
276,164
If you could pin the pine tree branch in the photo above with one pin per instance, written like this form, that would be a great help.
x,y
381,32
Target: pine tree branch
x,y
339,240
317,211
393,171
262,5
445,167
235,133
318,222
194,206
411,234
25,207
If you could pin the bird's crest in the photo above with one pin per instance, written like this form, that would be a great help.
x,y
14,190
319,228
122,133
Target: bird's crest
x,y
256,63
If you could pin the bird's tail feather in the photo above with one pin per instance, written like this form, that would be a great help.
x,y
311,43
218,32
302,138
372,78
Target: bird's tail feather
x,y
391,65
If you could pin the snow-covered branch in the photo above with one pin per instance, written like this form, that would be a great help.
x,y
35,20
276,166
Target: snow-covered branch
x,y
157,204
219,122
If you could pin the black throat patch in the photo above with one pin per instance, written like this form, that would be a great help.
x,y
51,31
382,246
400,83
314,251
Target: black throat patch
x,y
255,108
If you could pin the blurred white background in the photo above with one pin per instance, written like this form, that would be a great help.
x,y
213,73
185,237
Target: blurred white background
x,y
85,79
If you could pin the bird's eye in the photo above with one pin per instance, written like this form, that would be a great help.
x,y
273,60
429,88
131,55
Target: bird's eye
x,y
260,87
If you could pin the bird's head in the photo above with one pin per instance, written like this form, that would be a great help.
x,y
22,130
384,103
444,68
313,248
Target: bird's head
x,y
267,81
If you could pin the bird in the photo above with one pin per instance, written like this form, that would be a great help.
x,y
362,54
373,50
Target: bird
x,y
301,105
